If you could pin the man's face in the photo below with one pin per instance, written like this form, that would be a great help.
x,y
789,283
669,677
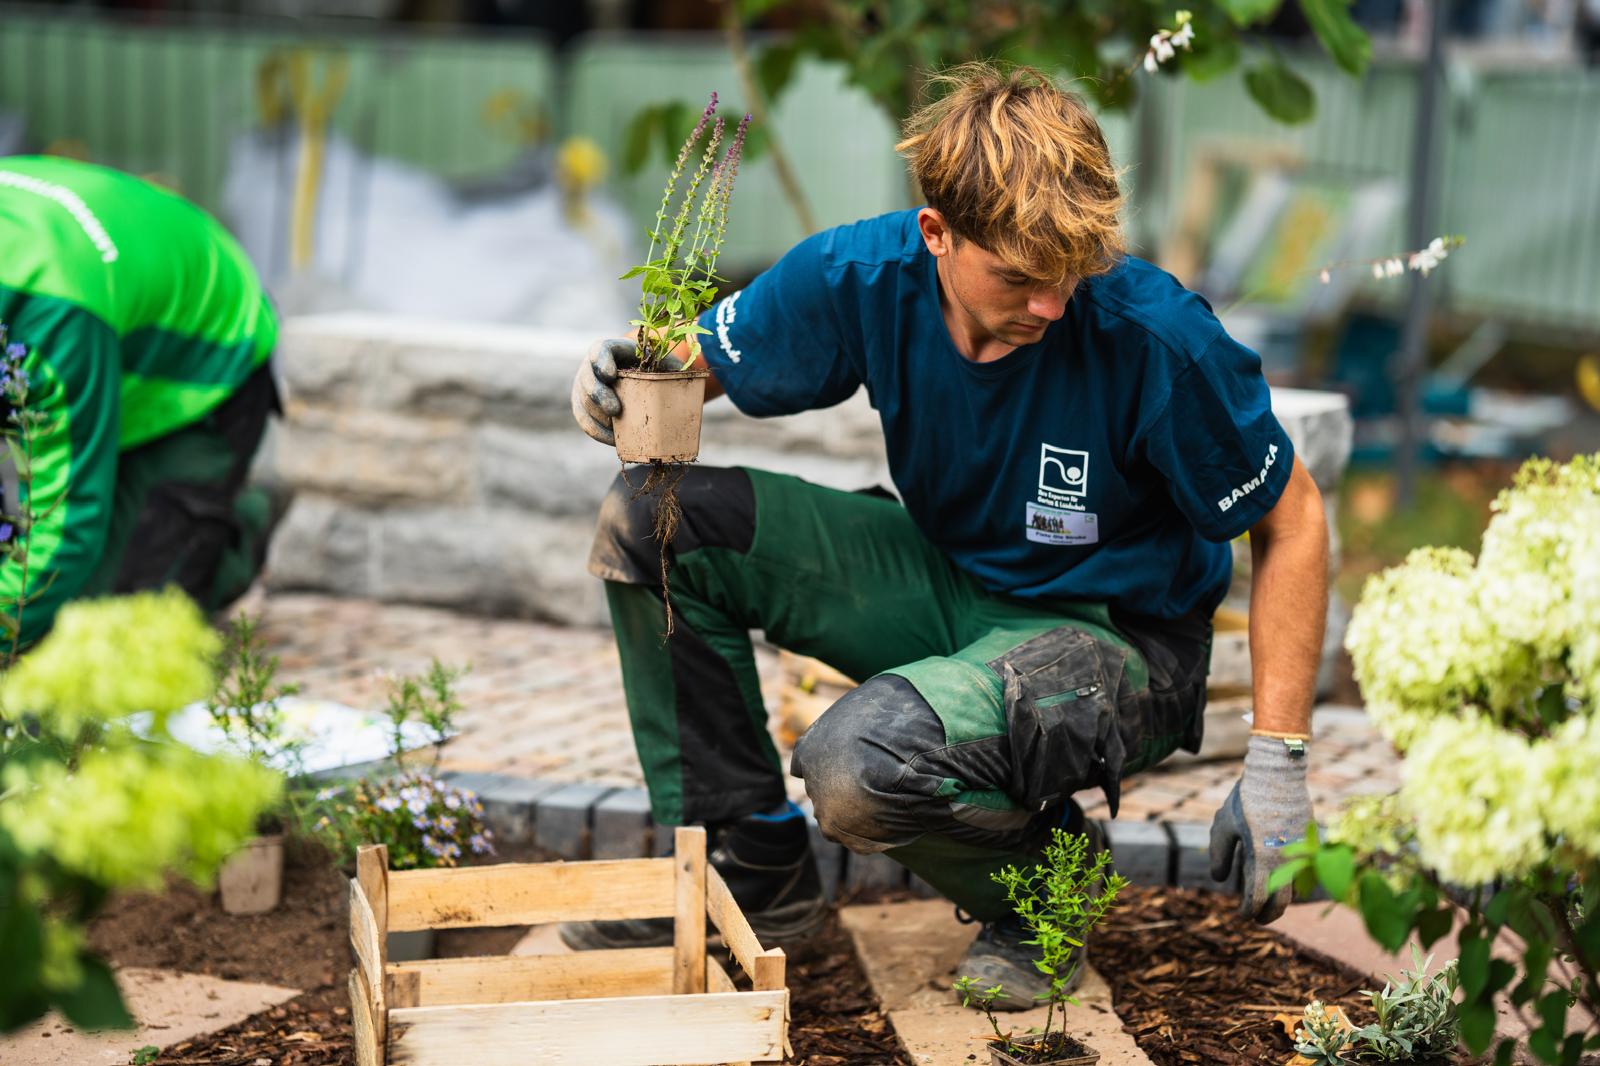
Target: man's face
x,y
1000,300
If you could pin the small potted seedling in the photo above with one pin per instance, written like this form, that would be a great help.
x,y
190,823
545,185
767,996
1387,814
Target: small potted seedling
x,y
247,709
1059,901
662,395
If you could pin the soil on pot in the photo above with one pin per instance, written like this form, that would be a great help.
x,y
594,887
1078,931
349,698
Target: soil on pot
x,y
1058,1047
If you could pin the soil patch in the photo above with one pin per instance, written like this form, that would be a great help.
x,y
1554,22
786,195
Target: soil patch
x,y
304,943
1195,983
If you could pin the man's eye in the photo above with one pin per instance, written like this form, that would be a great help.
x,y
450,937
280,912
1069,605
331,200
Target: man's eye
x,y
1014,282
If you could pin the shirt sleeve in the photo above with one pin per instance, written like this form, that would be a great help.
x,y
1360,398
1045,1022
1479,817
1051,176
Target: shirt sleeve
x,y
1224,454
73,385
775,346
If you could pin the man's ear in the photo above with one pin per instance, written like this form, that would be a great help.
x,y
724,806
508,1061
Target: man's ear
x,y
935,233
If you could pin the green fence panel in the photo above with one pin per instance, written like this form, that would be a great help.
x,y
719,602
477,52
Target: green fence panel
x,y
169,100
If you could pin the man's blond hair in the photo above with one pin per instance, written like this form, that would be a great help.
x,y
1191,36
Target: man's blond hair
x,y
1019,167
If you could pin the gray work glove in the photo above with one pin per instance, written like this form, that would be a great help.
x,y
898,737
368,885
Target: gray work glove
x,y
1268,808
594,394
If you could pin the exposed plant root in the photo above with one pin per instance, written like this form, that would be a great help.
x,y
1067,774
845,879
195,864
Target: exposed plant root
x,y
663,478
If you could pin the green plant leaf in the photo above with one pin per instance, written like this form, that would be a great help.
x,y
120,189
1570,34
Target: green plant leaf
x,y
1474,963
1286,872
637,137
1281,92
1346,42
1381,910
95,1003
775,68
1433,924
1336,868
1212,55
1245,12
1477,1026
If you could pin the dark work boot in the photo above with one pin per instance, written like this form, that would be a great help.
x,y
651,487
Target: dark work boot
x,y
999,957
767,864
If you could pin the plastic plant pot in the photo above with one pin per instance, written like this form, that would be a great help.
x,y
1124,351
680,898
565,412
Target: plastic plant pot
x,y
1000,1057
660,419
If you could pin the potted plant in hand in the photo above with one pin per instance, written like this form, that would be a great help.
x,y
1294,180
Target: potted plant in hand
x,y
663,394
1059,902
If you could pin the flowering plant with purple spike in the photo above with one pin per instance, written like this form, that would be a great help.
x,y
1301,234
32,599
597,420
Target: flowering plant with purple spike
x,y
679,278
21,429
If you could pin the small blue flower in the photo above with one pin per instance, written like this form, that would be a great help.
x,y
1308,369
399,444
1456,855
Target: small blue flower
x,y
16,352
421,823
323,795
447,824
389,803
416,805
452,801
479,845
6,529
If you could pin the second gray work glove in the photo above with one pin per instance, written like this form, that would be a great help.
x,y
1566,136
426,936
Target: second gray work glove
x,y
594,394
1268,808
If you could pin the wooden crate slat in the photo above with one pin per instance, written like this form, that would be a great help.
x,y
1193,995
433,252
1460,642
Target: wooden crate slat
x,y
372,872
368,1051
531,894
770,968
513,979
717,979
367,943
632,1031
730,922
689,918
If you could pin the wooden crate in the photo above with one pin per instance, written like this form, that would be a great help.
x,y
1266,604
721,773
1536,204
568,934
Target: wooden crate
x,y
632,1007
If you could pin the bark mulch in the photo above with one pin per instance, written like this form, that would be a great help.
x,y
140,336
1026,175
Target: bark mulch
x,y
1195,983
304,944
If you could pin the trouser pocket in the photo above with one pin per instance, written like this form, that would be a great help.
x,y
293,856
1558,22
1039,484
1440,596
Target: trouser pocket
x,y
1170,712
1061,704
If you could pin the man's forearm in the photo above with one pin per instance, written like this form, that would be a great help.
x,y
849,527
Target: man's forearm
x,y
1288,609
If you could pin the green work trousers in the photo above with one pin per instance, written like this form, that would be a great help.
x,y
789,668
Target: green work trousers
x,y
978,716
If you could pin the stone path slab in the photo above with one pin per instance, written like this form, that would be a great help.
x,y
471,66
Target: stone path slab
x,y
170,1007
910,950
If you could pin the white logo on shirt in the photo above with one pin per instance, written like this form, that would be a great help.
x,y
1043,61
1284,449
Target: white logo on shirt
x,y
1254,483
85,218
1063,471
727,312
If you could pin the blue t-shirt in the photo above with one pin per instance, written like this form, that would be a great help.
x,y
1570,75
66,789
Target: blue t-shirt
x,y
1111,460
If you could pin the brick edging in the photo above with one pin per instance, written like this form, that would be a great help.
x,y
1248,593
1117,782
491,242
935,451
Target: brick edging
x,y
586,821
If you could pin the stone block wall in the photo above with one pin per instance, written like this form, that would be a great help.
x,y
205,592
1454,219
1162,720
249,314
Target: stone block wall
x,y
437,463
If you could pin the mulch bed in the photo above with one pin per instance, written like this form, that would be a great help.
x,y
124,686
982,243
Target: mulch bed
x,y
1195,983
304,943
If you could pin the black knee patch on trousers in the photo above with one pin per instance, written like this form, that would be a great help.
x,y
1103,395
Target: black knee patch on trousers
x,y
718,511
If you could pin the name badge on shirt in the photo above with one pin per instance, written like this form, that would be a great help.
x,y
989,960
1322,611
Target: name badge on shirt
x,y
1046,525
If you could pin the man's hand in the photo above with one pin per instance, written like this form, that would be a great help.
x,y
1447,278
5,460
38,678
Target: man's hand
x,y
1268,808
594,394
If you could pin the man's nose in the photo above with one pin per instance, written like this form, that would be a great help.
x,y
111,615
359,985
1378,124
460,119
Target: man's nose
x,y
1048,304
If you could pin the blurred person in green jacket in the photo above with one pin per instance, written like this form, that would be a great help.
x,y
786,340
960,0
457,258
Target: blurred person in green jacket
x,y
144,336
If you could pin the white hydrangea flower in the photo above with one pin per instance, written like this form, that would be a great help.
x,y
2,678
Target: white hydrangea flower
x,y
1476,794
1570,784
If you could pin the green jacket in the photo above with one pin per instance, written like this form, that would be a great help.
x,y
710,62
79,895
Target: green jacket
x,y
140,314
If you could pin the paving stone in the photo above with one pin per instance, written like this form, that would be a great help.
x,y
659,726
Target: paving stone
x,y
1192,842
563,820
909,952
1142,851
873,872
622,825
168,1008
508,802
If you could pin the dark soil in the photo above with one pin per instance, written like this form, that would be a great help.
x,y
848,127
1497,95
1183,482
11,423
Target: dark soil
x,y
304,943
1195,983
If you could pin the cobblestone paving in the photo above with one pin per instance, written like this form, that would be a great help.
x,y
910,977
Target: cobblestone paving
x,y
545,701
